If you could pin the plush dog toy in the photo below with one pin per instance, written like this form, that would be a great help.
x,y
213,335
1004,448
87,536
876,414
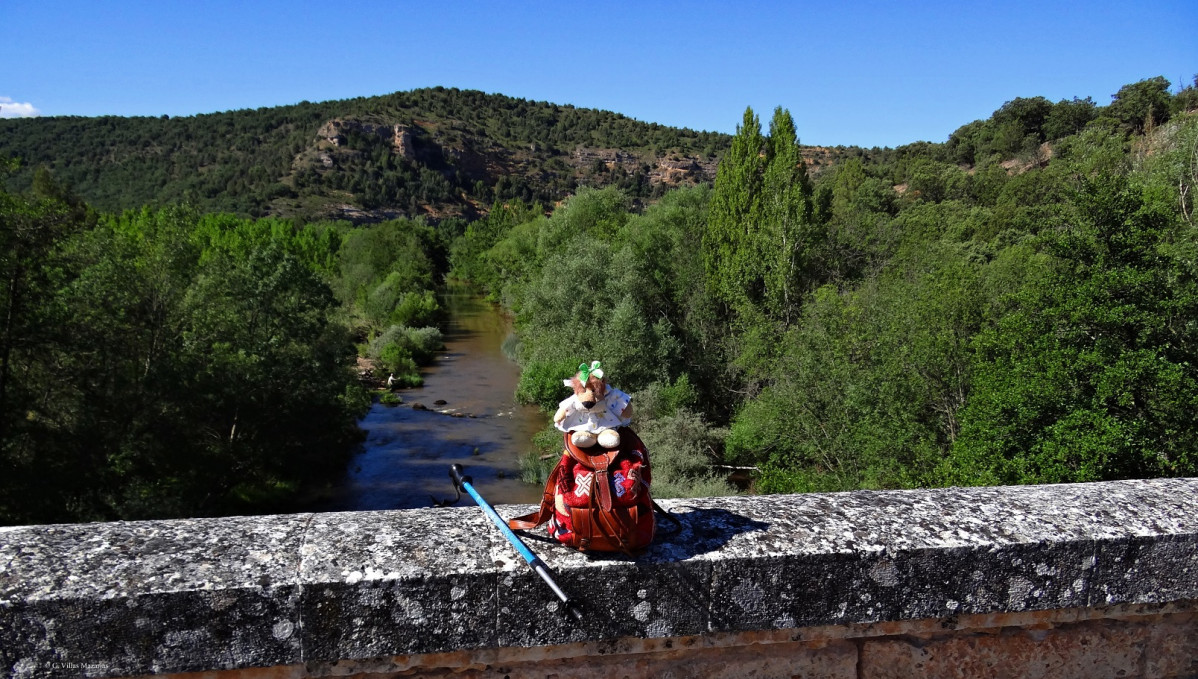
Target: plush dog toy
x,y
594,411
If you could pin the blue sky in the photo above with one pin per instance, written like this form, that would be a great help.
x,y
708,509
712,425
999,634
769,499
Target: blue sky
x,y
860,73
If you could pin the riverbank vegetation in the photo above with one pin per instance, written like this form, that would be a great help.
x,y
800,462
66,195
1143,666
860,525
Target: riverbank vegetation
x,y
164,362
386,280
1015,305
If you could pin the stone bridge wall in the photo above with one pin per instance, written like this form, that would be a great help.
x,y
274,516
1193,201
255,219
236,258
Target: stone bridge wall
x,y
1085,580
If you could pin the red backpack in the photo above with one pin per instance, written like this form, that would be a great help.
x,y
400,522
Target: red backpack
x,y
598,499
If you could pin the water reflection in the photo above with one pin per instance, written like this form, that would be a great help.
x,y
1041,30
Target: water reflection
x,y
407,452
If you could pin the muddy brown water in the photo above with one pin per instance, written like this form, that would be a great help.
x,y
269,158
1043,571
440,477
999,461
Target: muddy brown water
x,y
406,456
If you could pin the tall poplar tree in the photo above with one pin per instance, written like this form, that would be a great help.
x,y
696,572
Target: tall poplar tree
x,y
786,216
729,248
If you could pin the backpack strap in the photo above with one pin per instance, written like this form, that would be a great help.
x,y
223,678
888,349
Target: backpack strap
x,y
602,484
673,519
530,521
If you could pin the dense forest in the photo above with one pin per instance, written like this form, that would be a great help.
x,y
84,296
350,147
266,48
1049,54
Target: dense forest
x,y
434,152
1018,304
167,362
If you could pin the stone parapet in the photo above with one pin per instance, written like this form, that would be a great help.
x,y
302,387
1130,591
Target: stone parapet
x,y
319,594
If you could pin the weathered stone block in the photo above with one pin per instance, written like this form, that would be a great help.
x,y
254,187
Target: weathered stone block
x,y
663,592
389,583
1098,649
131,598
781,661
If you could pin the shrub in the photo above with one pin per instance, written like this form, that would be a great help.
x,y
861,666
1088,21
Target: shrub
x,y
538,463
424,343
356,400
421,344
681,447
417,308
662,399
398,361
710,485
541,383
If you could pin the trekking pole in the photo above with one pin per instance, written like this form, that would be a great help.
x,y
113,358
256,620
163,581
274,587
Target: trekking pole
x,y
462,482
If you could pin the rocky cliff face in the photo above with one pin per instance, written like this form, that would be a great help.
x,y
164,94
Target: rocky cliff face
x,y
476,169
336,131
454,154
669,170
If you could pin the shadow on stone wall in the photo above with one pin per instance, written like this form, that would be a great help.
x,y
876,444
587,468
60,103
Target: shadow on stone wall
x,y
704,530
665,591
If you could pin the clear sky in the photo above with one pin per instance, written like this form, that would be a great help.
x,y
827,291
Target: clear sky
x,y
853,73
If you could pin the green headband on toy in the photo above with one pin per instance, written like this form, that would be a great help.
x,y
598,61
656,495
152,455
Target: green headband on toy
x,y
585,372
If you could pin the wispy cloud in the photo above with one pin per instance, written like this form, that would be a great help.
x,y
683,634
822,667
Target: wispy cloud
x,y
17,109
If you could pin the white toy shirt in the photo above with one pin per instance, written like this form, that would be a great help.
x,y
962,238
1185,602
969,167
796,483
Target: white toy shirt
x,y
605,414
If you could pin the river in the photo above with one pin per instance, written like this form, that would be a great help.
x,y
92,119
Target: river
x,y
407,452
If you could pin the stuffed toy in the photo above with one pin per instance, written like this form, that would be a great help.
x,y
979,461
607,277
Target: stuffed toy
x,y
595,410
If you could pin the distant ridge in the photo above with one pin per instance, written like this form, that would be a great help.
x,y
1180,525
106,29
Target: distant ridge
x,y
435,152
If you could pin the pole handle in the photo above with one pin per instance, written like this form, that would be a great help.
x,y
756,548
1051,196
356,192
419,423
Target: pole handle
x,y
458,477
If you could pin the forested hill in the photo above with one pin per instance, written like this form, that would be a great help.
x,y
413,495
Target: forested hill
x,y
437,152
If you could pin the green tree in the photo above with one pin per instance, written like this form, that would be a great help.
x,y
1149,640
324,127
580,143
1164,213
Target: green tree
x,y
1142,104
188,365
1069,117
388,266
850,176
29,235
1186,99
869,383
1091,376
786,240
1019,124
270,365
33,265
730,252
